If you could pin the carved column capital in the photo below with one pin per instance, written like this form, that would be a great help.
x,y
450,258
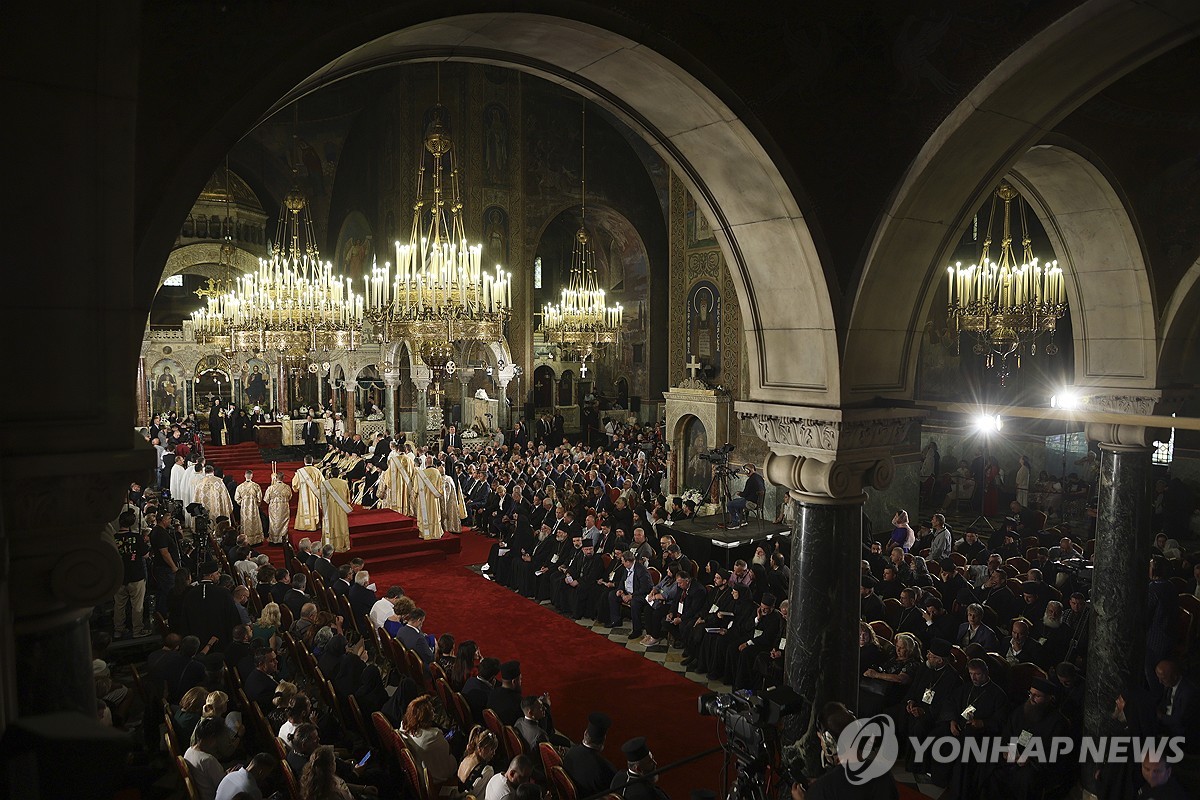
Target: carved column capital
x,y
1122,435
830,455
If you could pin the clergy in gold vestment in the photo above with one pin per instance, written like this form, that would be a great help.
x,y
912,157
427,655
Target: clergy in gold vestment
x,y
429,503
249,497
307,484
212,494
398,480
279,498
335,505
454,510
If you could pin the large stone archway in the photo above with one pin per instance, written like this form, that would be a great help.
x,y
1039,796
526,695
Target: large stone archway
x,y
994,128
780,284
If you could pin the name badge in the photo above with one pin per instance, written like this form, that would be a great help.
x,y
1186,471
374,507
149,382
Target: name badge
x,y
554,559
757,634
713,610
680,606
927,698
1024,738
782,644
968,713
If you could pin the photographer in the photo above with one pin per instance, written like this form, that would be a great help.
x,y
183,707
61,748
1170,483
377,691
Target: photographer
x,y
751,496
164,546
835,782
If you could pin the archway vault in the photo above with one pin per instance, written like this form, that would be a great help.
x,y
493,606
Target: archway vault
x,y
780,285
999,125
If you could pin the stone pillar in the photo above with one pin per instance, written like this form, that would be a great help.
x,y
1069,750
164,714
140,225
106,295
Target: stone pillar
x,y
1116,651
143,404
422,376
351,398
464,384
503,410
390,382
281,390
828,459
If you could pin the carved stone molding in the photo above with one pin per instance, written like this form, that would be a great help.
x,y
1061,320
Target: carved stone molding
x,y
1120,402
829,453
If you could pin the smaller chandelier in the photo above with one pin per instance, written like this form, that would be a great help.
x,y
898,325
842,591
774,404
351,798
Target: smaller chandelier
x,y
291,301
581,321
1007,305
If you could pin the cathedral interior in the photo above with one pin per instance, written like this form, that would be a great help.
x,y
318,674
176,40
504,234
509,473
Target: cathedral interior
x,y
774,195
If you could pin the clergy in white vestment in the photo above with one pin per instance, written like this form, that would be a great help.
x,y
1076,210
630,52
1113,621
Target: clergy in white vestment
x,y
429,503
279,498
335,505
249,497
399,482
454,510
178,477
307,485
212,493
191,478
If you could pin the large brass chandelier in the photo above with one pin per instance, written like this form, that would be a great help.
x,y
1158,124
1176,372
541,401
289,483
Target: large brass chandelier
x,y
438,290
581,321
1007,305
292,304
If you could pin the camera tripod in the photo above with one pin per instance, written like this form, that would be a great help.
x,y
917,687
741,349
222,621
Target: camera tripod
x,y
720,478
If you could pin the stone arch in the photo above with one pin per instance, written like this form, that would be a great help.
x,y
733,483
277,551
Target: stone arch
x,y
1179,331
1107,281
778,277
1006,115
203,259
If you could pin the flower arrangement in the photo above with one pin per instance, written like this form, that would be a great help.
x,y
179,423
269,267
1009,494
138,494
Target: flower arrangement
x,y
694,495
470,434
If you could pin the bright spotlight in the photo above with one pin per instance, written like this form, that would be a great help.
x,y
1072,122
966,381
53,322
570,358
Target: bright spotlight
x,y
986,423
1067,400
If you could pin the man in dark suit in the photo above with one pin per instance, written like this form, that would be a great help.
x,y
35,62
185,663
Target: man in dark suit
x,y
1022,647
323,566
974,631
505,699
209,611
520,435
410,635
295,597
451,440
361,598
341,586
678,618
585,763
633,582
261,682
310,431
1178,705
477,688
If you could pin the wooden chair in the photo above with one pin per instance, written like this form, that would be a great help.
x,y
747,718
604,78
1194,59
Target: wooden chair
x,y
1019,564
960,659
561,784
1191,604
998,669
959,559
882,630
550,756
1020,678
493,724
383,730
655,576
170,745
436,673
416,669
462,711
1185,624
1014,586
359,724
285,617
290,780
172,732
514,745
891,611
1179,583
415,777
185,778
442,689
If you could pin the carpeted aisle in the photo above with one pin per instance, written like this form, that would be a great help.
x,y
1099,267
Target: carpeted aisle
x,y
582,671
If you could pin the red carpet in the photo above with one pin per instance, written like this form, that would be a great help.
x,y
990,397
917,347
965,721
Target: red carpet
x,y
582,671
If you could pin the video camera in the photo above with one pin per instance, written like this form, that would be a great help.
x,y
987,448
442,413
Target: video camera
x,y
746,717
718,455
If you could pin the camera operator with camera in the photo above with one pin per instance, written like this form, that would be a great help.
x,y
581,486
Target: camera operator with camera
x,y
751,497
835,782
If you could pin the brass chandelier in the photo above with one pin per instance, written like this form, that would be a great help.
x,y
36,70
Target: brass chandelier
x,y
581,321
1007,305
292,304
439,290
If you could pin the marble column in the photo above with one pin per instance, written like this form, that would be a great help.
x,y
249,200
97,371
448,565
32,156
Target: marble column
x,y
351,398
828,459
822,631
143,405
1118,638
390,383
420,429
502,408
281,390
